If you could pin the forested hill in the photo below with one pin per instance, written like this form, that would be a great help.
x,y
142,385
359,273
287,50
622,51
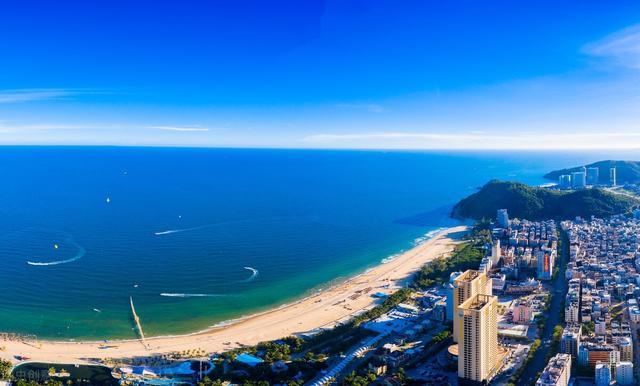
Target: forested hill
x,y
534,203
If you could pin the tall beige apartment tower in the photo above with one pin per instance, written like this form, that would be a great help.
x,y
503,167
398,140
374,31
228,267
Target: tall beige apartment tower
x,y
478,345
465,286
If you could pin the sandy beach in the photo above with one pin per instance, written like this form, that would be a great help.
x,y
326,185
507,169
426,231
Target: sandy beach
x,y
321,310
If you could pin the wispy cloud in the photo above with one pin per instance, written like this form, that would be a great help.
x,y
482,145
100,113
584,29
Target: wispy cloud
x,y
6,127
179,128
370,107
36,94
475,140
386,135
16,128
622,46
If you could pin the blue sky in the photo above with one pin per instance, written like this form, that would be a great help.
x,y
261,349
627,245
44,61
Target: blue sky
x,y
321,74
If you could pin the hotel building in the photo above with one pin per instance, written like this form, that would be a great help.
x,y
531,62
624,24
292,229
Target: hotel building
x,y
465,286
612,177
579,180
593,176
564,182
478,340
503,218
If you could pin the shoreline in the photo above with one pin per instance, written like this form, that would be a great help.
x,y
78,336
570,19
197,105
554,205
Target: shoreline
x,y
325,308
312,292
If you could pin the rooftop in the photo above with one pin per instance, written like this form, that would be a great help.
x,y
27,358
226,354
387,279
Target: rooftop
x,y
468,275
477,302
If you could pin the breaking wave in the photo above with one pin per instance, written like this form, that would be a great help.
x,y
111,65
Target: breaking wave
x,y
427,236
417,241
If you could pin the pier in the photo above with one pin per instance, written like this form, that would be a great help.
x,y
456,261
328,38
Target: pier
x,y
136,319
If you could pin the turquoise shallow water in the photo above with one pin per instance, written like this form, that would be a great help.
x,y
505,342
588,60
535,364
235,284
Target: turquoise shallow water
x,y
199,236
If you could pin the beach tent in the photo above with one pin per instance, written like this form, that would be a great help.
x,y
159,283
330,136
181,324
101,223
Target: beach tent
x,y
183,368
144,371
248,359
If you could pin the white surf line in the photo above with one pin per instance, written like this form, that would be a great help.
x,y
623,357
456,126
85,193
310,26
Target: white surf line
x,y
78,256
416,242
254,273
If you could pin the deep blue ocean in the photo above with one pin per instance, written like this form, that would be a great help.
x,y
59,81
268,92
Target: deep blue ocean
x,y
199,236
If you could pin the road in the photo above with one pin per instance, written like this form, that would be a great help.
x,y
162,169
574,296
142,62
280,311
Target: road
x,y
559,289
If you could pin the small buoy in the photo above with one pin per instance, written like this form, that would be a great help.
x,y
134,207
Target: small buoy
x,y
108,200
55,246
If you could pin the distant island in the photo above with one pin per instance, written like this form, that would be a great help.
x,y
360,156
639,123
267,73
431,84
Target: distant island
x,y
627,172
535,203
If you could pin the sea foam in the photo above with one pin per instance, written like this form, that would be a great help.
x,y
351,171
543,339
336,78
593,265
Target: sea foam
x,y
417,241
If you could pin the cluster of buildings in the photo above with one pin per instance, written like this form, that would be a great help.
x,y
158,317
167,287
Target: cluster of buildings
x,y
524,249
519,248
585,177
604,285
602,314
601,308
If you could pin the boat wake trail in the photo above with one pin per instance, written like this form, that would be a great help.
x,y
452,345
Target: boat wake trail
x,y
254,274
172,231
222,223
178,295
78,256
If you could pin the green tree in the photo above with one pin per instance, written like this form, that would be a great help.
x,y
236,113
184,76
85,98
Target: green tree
x,y
588,328
354,379
5,369
206,381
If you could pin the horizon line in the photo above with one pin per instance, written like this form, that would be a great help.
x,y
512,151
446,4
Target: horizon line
x,y
457,149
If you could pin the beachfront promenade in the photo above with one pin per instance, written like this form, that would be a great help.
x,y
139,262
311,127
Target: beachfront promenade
x,y
320,310
329,375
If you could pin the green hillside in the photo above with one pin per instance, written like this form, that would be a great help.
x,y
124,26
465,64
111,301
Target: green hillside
x,y
626,171
535,203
